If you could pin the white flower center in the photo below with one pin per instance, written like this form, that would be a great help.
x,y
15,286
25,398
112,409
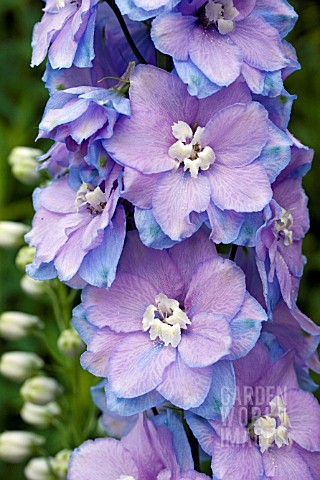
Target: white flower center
x,y
188,149
93,198
284,225
273,428
165,320
60,3
126,477
221,13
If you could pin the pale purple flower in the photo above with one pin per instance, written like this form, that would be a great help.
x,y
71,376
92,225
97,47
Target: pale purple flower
x,y
112,54
272,432
148,452
191,157
78,235
215,42
66,33
169,327
279,240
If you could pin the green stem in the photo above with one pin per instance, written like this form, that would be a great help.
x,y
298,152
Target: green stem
x,y
55,306
55,355
125,30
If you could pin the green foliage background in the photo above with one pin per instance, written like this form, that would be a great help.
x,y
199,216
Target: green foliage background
x,y
22,99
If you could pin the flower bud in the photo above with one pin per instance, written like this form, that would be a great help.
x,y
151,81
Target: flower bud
x,y
24,164
15,325
24,257
18,366
11,234
39,468
40,415
70,343
60,464
16,446
40,390
34,288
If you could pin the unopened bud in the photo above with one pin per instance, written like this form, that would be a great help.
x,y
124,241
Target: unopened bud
x,y
34,288
15,325
70,343
60,464
19,366
17,446
24,164
40,415
39,468
12,233
40,390
24,257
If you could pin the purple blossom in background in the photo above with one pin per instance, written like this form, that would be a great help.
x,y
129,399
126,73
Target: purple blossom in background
x,y
279,240
66,33
112,55
78,235
169,327
215,42
272,432
148,452
191,156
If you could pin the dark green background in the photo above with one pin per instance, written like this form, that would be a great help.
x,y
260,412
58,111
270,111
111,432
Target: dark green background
x,y
22,99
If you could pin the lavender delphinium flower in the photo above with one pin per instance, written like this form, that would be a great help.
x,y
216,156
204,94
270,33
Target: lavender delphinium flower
x,y
82,118
279,239
195,157
78,235
272,432
66,32
148,452
70,88
112,54
214,42
169,327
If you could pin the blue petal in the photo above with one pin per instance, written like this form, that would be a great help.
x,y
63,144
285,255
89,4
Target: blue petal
x,y
150,231
279,108
222,393
202,430
180,441
45,271
277,153
131,406
79,321
247,235
100,264
198,84
279,14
